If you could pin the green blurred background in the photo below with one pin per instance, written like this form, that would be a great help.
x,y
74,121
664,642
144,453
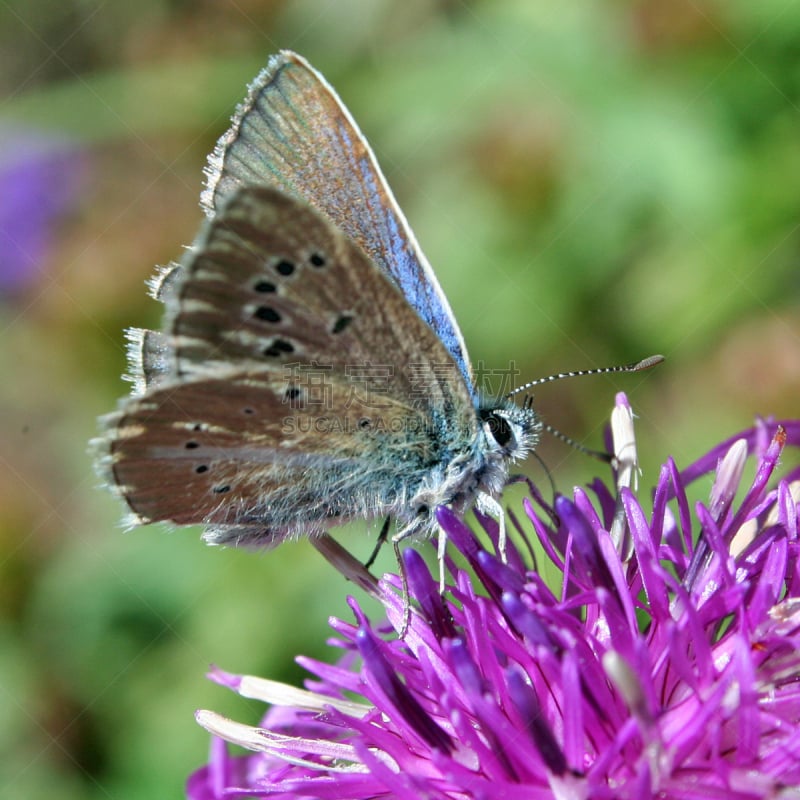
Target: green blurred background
x,y
593,182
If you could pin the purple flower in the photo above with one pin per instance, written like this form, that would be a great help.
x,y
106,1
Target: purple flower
x,y
39,177
666,665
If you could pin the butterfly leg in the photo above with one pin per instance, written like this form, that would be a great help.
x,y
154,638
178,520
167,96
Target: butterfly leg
x,y
488,505
408,532
381,540
441,551
404,579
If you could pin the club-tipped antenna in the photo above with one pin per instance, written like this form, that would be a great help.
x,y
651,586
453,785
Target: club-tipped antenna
x,y
639,366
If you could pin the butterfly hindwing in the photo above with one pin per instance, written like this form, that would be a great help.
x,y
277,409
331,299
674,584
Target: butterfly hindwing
x,y
259,460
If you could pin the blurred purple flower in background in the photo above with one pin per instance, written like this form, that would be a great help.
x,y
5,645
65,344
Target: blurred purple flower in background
x,y
667,665
40,174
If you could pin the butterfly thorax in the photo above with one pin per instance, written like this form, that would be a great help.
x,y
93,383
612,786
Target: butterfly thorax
x,y
504,433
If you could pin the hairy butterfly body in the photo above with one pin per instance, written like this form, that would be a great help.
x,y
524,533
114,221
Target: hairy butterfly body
x,y
310,370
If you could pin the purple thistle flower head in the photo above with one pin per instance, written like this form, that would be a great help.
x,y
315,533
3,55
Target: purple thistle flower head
x,y
666,665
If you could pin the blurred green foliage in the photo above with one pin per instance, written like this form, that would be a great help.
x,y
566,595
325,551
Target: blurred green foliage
x,y
592,182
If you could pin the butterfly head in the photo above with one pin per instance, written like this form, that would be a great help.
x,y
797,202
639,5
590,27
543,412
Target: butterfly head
x,y
510,432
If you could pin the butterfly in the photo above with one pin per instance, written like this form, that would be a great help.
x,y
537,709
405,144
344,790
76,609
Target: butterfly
x,y
310,370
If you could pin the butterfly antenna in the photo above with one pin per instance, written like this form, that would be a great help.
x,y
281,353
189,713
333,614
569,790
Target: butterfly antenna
x,y
606,458
639,366
600,455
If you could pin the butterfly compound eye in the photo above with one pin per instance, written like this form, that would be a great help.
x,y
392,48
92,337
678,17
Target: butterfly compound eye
x,y
499,427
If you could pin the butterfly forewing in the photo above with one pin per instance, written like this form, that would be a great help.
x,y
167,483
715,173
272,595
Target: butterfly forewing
x,y
271,282
293,132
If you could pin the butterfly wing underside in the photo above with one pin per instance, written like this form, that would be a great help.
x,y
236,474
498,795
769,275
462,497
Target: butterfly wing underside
x,y
264,410
293,132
